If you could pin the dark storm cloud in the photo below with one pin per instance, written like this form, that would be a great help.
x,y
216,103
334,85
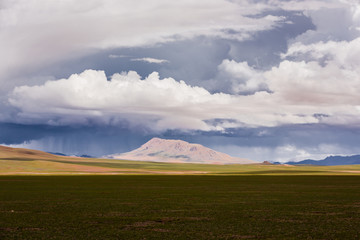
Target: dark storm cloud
x,y
304,135
292,142
94,141
11,133
264,49
288,142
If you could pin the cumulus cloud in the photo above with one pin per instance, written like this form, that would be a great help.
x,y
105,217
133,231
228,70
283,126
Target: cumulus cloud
x,y
302,93
150,60
159,103
343,53
320,67
334,21
336,81
89,96
243,78
325,86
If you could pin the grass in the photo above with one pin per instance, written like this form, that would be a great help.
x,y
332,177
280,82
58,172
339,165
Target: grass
x,y
180,207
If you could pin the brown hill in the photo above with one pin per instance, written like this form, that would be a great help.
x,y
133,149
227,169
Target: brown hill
x,y
23,153
162,150
28,161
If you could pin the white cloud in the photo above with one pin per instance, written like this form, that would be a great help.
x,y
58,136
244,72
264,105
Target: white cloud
x,y
302,91
334,21
295,92
159,103
296,5
150,60
243,78
343,53
337,82
90,97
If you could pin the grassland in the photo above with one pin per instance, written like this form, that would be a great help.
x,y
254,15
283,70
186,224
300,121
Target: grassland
x,y
25,162
179,207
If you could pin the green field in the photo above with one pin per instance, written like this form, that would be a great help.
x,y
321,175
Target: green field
x,y
180,207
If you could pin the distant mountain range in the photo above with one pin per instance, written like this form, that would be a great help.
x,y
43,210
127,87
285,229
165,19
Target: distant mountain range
x,y
163,150
63,154
330,161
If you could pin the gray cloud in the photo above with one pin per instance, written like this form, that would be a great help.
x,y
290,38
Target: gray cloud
x,y
333,24
195,60
36,33
295,142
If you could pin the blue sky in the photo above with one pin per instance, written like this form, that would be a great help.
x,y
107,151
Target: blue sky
x,y
266,80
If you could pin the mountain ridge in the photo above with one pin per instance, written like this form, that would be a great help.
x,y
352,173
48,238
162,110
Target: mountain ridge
x,y
330,161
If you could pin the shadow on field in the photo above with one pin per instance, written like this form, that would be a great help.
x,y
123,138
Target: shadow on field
x,y
19,159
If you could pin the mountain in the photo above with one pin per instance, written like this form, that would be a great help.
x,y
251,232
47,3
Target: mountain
x,y
163,150
58,153
78,155
331,161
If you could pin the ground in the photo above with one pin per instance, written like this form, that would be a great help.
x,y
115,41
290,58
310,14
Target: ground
x,y
180,207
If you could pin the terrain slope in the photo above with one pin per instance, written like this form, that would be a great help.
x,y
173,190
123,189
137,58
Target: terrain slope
x,y
331,161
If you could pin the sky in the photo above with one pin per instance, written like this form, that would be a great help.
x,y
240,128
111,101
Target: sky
x,y
265,80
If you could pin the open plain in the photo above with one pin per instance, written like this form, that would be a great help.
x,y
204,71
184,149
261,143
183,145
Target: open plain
x,y
43,196
180,207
